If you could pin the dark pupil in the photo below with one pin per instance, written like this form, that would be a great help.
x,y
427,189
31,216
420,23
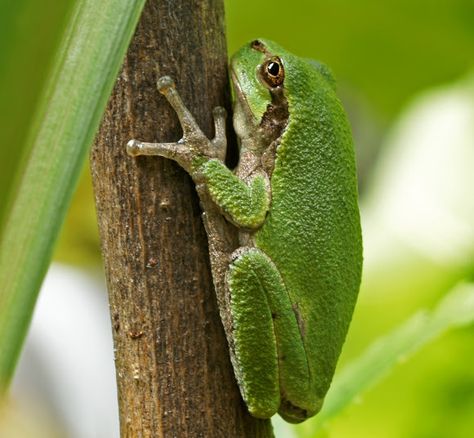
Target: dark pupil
x,y
273,68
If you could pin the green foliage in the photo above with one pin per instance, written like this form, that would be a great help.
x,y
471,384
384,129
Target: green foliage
x,y
26,61
455,310
385,50
63,126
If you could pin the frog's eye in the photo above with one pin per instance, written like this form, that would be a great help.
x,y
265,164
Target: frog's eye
x,y
272,72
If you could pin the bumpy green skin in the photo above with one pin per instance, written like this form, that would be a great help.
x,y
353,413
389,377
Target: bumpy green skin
x,y
312,233
293,295
246,205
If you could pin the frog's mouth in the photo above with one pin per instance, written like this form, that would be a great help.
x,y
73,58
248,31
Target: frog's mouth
x,y
244,120
240,98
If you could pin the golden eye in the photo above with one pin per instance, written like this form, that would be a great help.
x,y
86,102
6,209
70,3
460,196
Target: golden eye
x,y
272,72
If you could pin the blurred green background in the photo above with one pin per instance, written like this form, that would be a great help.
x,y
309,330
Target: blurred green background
x,y
383,54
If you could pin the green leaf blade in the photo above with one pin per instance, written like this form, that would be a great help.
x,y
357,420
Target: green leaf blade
x,y
83,74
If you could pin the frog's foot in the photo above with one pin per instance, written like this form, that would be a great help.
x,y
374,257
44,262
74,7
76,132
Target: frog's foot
x,y
194,142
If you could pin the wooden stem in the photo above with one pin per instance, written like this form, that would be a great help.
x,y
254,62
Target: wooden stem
x,y
173,371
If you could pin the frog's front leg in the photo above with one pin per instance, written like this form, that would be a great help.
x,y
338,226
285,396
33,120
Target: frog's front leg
x,y
243,203
269,358
193,143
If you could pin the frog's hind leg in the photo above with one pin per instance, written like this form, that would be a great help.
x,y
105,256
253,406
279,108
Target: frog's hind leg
x,y
269,358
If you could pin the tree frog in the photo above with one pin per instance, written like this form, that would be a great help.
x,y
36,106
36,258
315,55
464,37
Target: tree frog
x,y
287,288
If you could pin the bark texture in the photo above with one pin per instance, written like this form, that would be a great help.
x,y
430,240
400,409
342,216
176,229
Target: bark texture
x,y
173,370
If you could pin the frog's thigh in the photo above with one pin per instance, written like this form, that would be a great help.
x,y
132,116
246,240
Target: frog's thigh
x,y
269,353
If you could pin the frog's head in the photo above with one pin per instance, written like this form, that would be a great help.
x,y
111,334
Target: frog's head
x,y
258,76
269,84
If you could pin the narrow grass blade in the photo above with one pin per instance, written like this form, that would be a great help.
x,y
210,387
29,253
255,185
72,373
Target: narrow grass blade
x,y
455,310
83,73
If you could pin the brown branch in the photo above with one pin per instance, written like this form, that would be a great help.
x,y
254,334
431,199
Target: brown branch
x,y
173,370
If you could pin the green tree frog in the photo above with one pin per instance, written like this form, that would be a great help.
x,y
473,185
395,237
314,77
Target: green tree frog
x,y
287,289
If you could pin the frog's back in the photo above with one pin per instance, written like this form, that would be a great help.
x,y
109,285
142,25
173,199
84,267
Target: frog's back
x,y
312,233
